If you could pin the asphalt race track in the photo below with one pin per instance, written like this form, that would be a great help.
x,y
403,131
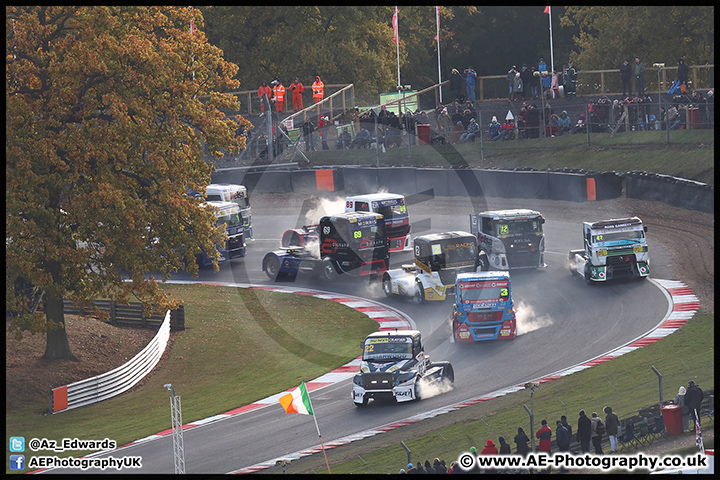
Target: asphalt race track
x,y
562,322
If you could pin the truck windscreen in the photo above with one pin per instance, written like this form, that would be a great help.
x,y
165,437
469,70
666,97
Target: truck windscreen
x,y
391,348
518,227
230,220
619,238
496,291
393,211
453,254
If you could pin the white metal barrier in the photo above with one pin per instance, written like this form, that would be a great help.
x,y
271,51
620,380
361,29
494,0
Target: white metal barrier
x,y
116,381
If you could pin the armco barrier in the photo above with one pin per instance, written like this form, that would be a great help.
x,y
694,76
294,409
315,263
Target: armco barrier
x,y
569,185
116,381
674,191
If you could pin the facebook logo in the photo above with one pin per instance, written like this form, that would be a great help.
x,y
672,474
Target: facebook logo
x,y
17,462
17,444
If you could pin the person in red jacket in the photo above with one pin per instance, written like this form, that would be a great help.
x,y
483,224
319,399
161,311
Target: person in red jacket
x,y
318,89
545,436
297,89
279,94
264,90
490,449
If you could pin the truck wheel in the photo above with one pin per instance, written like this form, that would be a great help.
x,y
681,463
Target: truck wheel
x,y
387,285
419,292
272,267
587,276
328,271
363,404
448,374
484,263
417,390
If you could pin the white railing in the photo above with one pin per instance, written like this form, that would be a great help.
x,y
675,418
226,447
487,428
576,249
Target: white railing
x,y
116,381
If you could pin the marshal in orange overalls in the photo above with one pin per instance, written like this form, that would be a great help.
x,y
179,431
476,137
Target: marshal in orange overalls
x,y
318,89
264,89
279,92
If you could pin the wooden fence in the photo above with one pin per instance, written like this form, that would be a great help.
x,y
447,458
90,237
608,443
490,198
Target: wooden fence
x,y
132,315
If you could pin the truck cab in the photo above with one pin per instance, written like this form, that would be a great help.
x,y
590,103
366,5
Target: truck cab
x,y
484,308
228,215
227,192
612,249
439,258
392,207
395,366
351,243
510,238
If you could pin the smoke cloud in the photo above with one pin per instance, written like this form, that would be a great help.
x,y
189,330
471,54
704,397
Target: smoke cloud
x,y
526,320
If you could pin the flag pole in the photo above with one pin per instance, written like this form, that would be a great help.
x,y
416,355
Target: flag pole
x,y
552,56
318,430
397,47
437,37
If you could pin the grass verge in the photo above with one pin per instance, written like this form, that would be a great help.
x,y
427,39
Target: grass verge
x,y
240,346
626,380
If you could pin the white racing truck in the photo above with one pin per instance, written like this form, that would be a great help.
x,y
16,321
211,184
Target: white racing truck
x,y
394,365
613,249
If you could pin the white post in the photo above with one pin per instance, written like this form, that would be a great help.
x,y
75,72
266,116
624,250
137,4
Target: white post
x,y
177,433
552,55
437,16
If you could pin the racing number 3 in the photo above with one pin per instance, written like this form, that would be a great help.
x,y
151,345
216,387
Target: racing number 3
x,y
503,292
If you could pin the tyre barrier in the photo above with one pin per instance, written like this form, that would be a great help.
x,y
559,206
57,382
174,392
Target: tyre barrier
x,y
674,191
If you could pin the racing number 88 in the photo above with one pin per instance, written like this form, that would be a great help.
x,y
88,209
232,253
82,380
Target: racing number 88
x,y
357,234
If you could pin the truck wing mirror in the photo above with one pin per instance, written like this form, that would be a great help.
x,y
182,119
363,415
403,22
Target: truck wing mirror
x,y
644,228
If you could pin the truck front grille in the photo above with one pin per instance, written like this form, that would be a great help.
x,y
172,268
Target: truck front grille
x,y
378,381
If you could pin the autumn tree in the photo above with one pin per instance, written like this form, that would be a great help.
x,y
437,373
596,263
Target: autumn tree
x,y
104,135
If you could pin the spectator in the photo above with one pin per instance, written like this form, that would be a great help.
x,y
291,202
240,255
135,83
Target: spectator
x,y
457,132
595,436
584,431
506,130
571,81
545,436
322,128
504,446
612,423
471,107
439,466
679,122
568,427
546,78
489,449
297,89
362,139
548,111
472,132
419,468
521,443
580,125
639,77
563,123
423,119
527,80
402,471
267,91
518,88
555,84
330,134
562,437
470,76
411,468
444,124
532,117
344,141
683,73
493,128
318,89
685,411
456,84
693,399
308,128
457,115
552,127
625,74
534,82
522,122
511,81
466,118
279,94
429,468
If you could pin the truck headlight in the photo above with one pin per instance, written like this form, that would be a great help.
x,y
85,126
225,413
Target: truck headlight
x,y
602,253
498,245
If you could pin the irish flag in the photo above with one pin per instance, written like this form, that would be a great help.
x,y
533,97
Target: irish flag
x,y
297,401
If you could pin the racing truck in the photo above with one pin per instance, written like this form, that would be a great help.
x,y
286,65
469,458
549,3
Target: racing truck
x,y
227,192
392,207
394,365
439,257
351,243
484,308
613,249
227,214
510,238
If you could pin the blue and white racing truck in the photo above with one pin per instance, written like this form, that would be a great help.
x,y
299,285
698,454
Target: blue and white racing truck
x,y
394,366
228,214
